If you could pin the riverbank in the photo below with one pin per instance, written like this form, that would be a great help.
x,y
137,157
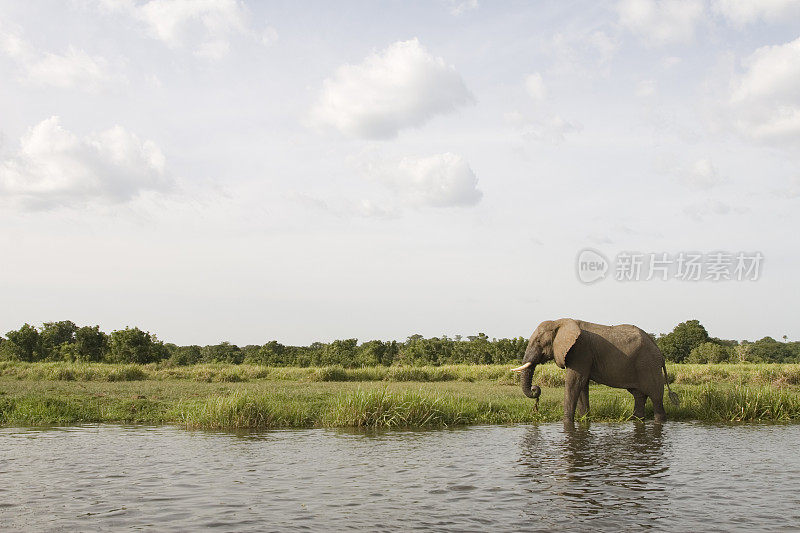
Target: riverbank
x,y
547,375
229,396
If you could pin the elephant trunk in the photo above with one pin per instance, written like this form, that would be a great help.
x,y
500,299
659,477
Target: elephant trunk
x,y
526,379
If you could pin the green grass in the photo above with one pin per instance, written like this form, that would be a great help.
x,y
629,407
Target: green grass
x,y
547,375
224,373
228,396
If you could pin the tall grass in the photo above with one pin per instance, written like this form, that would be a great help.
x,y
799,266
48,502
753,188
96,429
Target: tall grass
x,y
387,407
246,410
548,375
383,409
225,373
404,409
739,404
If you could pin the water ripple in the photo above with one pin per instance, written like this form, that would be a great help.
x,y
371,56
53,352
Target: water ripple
x,y
683,476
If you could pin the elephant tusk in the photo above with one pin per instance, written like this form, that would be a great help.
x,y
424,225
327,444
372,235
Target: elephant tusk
x,y
521,368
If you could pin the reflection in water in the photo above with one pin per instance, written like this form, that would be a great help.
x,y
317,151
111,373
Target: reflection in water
x,y
599,477
603,474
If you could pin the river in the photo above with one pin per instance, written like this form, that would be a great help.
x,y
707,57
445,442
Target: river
x,y
605,477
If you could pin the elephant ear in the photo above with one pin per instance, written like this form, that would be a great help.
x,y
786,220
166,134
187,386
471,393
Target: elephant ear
x,y
565,338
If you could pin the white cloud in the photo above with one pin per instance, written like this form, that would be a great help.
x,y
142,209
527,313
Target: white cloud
x,y
441,180
742,12
55,167
171,21
765,98
553,129
74,69
371,209
535,86
659,22
701,210
703,175
401,87
543,127
269,36
792,190
645,88
459,7
540,123
585,54
206,26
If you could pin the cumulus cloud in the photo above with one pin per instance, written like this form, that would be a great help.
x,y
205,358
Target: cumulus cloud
x,y
552,129
659,22
440,180
585,54
459,7
404,86
54,167
206,26
535,86
743,12
703,175
539,122
765,97
74,69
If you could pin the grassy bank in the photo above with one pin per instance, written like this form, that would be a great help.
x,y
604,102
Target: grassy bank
x,y
228,396
548,375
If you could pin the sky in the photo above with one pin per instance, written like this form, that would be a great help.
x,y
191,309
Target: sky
x,y
219,170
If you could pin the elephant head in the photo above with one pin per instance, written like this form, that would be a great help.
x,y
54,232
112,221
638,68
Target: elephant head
x,y
551,340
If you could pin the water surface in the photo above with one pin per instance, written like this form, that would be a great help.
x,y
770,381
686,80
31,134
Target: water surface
x,y
683,477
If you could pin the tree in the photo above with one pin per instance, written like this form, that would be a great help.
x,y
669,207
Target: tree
x,y
272,353
340,352
686,336
132,345
91,344
376,352
769,350
224,352
481,350
23,344
709,352
510,350
54,335
186,355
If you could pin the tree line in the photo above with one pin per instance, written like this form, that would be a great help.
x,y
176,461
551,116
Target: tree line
x,y
688,342
65,341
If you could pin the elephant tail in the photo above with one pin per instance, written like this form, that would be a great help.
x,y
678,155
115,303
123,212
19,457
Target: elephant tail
x,y
673,397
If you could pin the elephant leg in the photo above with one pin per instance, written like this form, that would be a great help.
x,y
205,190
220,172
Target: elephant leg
x,y
658,407
574,383
639,400
583,400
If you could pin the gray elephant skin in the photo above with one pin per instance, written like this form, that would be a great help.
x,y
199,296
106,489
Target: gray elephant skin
x,y
621,356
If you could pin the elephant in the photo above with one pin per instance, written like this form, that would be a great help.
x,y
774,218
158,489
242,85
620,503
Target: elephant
x,y
620,356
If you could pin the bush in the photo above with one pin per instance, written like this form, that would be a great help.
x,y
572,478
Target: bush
x,y
91,344
186,355
685,337
23,344
709,352
132,345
